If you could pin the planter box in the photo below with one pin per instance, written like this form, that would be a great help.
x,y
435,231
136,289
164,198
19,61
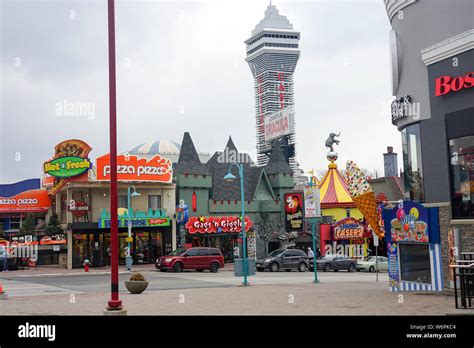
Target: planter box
x,y
136,287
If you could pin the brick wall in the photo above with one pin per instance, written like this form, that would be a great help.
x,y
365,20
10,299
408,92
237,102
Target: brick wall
x,y
467,238
444,226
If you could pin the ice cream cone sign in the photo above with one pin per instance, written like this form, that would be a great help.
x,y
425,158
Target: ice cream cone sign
x,y
363,196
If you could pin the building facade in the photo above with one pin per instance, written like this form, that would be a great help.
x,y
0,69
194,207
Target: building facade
x,y
84,208
21,200
79,188
432,79
272,54
214,205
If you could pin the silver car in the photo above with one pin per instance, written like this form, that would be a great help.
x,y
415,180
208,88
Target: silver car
x,y
334,263
370,264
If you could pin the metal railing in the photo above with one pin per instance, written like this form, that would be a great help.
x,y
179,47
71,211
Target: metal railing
x,y
467,255
463,275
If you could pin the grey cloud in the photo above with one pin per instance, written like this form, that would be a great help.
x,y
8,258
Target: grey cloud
x,y
189,56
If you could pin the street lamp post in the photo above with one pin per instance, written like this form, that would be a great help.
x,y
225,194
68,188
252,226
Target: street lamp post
x,y
231,177
128,257
313,223
114,304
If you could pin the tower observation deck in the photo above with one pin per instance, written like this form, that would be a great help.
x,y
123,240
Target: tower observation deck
x,y
272,54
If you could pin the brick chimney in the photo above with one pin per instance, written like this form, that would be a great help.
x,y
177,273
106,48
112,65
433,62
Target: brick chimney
x,y
390,164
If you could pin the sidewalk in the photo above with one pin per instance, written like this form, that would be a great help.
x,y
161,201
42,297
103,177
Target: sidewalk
x,y
356,298
56,271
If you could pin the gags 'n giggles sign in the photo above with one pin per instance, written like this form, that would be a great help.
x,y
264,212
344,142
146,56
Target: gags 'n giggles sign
x,y
217,224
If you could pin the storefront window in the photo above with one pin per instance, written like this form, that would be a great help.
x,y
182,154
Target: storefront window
x,y
462,176
154,202
123,244
225,243
156,246
15,223
63,212
412,163
415,263
96,247
143,254
80,252
122,201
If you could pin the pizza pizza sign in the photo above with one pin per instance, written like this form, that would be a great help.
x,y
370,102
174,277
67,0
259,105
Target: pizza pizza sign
x,y
134,168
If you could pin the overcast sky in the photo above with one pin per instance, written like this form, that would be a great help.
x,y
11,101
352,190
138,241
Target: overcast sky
x,y
181,67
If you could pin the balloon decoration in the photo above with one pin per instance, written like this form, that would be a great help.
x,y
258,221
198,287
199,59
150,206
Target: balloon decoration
x,y
412,226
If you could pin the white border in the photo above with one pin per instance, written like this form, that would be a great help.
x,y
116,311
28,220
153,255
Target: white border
x,y
448,48
393,6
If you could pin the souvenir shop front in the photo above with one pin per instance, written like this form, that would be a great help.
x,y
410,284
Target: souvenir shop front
x,y
17,202
221,232
151,237
19,199
348,236
413,247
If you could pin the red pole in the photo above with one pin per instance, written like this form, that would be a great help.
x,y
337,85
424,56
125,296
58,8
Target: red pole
x,y
114,302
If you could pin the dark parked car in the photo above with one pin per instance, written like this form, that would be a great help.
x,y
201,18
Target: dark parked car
x,y
193,258
334,263
284,259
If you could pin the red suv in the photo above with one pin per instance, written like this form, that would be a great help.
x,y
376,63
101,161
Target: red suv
x,y
193,258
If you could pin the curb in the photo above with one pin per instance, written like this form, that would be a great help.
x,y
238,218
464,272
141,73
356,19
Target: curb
x,y
63,274
12,277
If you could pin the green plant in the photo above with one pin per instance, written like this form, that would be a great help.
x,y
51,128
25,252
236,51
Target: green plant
x,y
28,225
138,277
54,227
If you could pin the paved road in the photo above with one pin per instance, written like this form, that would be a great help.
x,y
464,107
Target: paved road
x,y
48,285
216,294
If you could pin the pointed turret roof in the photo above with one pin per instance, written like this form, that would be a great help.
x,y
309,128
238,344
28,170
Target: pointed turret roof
x,y
333,189
277,162
218,166
273,20
189,162
230,145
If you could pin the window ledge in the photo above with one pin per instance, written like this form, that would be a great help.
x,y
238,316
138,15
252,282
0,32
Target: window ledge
x,y
462,222
435,205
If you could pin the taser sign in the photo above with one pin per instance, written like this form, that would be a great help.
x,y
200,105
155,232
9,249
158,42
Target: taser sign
x,y
66,167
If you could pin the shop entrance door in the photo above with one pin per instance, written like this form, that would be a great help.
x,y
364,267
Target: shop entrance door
x,y
156,246
228,243
96,244
143,251
79,250
123,245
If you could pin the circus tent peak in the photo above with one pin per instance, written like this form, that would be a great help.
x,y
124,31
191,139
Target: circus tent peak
x,y
333,190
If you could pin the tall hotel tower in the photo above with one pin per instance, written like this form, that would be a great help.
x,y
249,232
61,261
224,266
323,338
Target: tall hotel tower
x,y
272,54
